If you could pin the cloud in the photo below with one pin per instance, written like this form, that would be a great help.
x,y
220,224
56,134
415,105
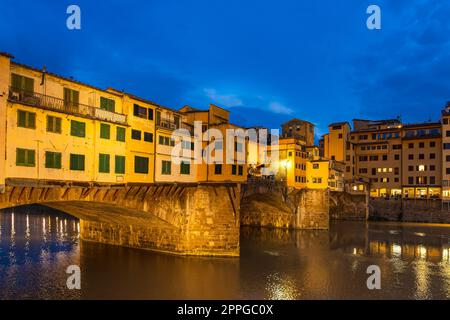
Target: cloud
x,y
277,107
227,100
406,73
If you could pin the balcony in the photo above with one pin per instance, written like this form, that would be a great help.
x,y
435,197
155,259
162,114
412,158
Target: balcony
x,y
172,125
59,105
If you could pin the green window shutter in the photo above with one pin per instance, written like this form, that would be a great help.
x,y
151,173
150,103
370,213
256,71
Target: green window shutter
x,y
21,118
185,168
29,84
71,97
26,119
218,169
77,162
166,167
233,169
77,129
105,131
20,157
141,165
120,134
25,157
15,81
75,96
31,120
136,134
120,165
107,104
53,160
103,166
161,140
58,128
22,83
148,137
49,124
53,124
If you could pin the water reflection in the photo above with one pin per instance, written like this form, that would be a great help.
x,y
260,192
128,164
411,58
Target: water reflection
x,y
37,244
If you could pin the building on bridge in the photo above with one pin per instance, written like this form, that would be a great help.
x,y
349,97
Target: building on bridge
x,y
58,129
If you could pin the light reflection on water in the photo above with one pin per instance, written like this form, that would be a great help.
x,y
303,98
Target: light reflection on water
x,y
38,244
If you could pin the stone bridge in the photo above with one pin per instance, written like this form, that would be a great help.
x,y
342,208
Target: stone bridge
x,y
269,203
187,219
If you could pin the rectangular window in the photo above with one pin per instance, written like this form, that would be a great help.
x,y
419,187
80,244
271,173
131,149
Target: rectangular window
x,y
166,167
77,129
105,131
140,165
71,98
150,114
166,141
53,124
410,180
432,180
120,134
22,83
136,134
120,165
53,160
432,156
103,163
148,137
234,169
241,170
238,147
185,167
26,119
25,157
107,104
218,169
77,162
139,111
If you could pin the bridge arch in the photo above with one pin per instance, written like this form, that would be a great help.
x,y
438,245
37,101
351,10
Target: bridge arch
x,y
190,219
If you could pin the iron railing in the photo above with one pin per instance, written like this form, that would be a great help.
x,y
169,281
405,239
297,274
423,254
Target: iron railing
x,y
60,105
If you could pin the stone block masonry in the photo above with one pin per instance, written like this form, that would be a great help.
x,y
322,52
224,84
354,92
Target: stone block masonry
x,y
303,209
185,219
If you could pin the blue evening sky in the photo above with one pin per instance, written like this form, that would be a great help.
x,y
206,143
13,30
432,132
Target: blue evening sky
x,y
266,61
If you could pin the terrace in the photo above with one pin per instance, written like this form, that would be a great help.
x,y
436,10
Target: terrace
x,y
60,105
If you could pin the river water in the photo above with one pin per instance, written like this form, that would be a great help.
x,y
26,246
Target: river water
x,y
37,245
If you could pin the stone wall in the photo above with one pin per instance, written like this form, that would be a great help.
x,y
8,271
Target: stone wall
x,y
412,210
304,209
313,210
346,206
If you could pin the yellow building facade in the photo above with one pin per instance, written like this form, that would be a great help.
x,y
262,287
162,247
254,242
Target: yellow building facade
x,y
59,129
210,129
